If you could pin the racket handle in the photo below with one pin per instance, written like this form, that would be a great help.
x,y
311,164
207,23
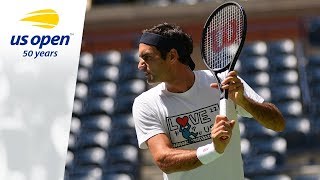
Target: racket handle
x,y
223,106
224,103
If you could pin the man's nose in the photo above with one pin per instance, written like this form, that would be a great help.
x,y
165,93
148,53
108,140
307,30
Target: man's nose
x,y
141,64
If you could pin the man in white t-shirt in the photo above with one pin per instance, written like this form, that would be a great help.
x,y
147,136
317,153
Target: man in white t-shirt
x,y
178,118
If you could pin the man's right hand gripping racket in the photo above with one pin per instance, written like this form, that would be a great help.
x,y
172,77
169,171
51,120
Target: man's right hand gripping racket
x,y
223,37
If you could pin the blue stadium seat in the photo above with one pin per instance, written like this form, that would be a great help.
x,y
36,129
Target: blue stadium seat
x,y
105,73
123,137
75,125
286,92
98,105
130,58
131,170
272,177
313,78
242,128
282,46
123,121
94,156
297,132
72,142
86,60
313,31
290,108
260,164
78,108
307,177
116,73
274,145
254,129
162,3
298,124
89,139
123,104
112,89
315,130
256,48
257,78
284,77
81,91
134,86
83,75
117,176
85,173
283,61
245,147
254,63
111,57
103,89
313,73
315,92
99,122
128,72
314,60
190,2
69,159
123,154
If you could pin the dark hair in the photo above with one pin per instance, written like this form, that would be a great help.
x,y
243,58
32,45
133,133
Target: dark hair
x,y
174,32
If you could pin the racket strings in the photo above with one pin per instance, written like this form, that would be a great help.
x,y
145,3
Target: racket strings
x,y
223,37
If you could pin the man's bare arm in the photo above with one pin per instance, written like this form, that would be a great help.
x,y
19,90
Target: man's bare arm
x,y
170,159
267,114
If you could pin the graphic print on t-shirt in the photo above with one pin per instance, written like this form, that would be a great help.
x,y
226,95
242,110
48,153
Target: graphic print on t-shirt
x,y
192,127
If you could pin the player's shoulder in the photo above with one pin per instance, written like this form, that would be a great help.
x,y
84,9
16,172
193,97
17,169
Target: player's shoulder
x,y
150,94
204,75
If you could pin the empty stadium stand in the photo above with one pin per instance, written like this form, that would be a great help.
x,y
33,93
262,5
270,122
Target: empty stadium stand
x,y
102,143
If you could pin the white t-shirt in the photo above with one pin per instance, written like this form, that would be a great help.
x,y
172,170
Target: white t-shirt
x,y
186,118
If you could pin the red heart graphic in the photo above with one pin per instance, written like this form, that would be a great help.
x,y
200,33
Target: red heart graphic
x,y
182,121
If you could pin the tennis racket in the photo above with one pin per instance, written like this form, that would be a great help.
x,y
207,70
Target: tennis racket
x,y
223,37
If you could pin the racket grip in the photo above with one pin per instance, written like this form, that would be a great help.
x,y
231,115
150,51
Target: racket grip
x,y
223,111
223,107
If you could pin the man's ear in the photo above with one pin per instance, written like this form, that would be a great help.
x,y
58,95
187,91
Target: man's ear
x,y
173,54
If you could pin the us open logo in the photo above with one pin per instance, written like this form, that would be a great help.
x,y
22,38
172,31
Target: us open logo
x,y
46,19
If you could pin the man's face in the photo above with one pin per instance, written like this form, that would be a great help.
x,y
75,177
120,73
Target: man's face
x,y
151,63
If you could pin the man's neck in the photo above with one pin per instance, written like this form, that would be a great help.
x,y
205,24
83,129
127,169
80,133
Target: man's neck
x,y
182,82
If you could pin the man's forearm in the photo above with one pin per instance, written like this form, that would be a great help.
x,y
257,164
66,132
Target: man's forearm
x,y
265,113
170,159
178,160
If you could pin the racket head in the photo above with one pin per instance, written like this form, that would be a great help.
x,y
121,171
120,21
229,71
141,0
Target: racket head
x,y
223,37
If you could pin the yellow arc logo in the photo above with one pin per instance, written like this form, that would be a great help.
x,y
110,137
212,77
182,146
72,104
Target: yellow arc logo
x,y
44,18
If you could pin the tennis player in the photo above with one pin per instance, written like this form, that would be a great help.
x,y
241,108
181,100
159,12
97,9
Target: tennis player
x,y
177,119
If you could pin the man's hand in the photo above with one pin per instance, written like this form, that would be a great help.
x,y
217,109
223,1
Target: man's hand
x,y
221,127
234,86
